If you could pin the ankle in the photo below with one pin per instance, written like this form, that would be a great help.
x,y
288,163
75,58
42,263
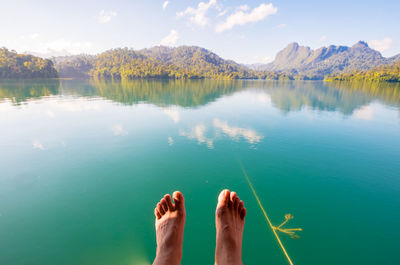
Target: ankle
x,y
228,255
168,255
228,259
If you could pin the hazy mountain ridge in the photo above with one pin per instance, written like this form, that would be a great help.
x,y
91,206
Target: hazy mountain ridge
x,y
74,65
301,60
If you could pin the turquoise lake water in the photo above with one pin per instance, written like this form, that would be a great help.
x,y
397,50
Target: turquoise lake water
x,y
83,164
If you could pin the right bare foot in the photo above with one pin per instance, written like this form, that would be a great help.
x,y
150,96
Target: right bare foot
x,y
229,220
170,222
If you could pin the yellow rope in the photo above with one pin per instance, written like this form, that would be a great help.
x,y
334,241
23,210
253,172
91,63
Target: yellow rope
x,y
266,216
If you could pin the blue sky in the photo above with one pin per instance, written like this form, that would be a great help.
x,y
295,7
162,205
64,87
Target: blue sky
x,y
245,31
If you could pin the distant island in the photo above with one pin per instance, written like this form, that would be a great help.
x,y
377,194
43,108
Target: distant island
x,y
294,62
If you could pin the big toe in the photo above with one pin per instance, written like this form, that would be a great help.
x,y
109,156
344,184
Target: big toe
x,y
223,198
179,201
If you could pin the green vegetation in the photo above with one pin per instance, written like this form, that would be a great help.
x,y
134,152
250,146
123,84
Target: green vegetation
x,y
386,73
14,65
190,62
185,62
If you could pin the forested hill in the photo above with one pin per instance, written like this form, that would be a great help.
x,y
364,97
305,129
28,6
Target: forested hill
x,y
192,57
158,62
14,65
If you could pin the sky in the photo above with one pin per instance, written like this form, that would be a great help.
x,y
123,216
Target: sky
x,y
245,31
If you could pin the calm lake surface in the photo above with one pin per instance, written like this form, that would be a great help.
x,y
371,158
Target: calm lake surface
x,y
83,164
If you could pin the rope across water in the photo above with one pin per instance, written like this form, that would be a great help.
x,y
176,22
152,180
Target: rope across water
x,y
266,216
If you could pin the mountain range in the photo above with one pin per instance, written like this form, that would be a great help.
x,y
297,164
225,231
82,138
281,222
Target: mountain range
x,y
192,62
293,62
301,60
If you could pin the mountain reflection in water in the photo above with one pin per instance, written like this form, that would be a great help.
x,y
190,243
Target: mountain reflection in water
x,y
287,96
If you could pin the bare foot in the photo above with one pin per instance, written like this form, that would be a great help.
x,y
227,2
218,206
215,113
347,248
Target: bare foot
x,y
229,221
170,222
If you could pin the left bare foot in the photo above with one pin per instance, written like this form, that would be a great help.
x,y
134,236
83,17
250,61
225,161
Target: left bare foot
x,y
170,223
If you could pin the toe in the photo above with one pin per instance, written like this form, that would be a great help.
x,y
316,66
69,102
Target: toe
x,y
236,203
164,205
233,195
243,213
235,200
157,213
160,209
224,198
179,201
240,206
167,198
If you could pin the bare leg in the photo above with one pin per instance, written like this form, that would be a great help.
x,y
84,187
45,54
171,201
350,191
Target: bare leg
x,y
170,222
229,221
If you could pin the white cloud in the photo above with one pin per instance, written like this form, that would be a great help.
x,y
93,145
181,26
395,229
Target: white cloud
x,y
243,7
173,114
322,39
170,39
37,145
198,133
48,53
60,45
170,141
381,45
105,16
33,36
118,130
281,26
37,45
222,13
265,59
364,113
164,5
235,133
240,17
198,15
